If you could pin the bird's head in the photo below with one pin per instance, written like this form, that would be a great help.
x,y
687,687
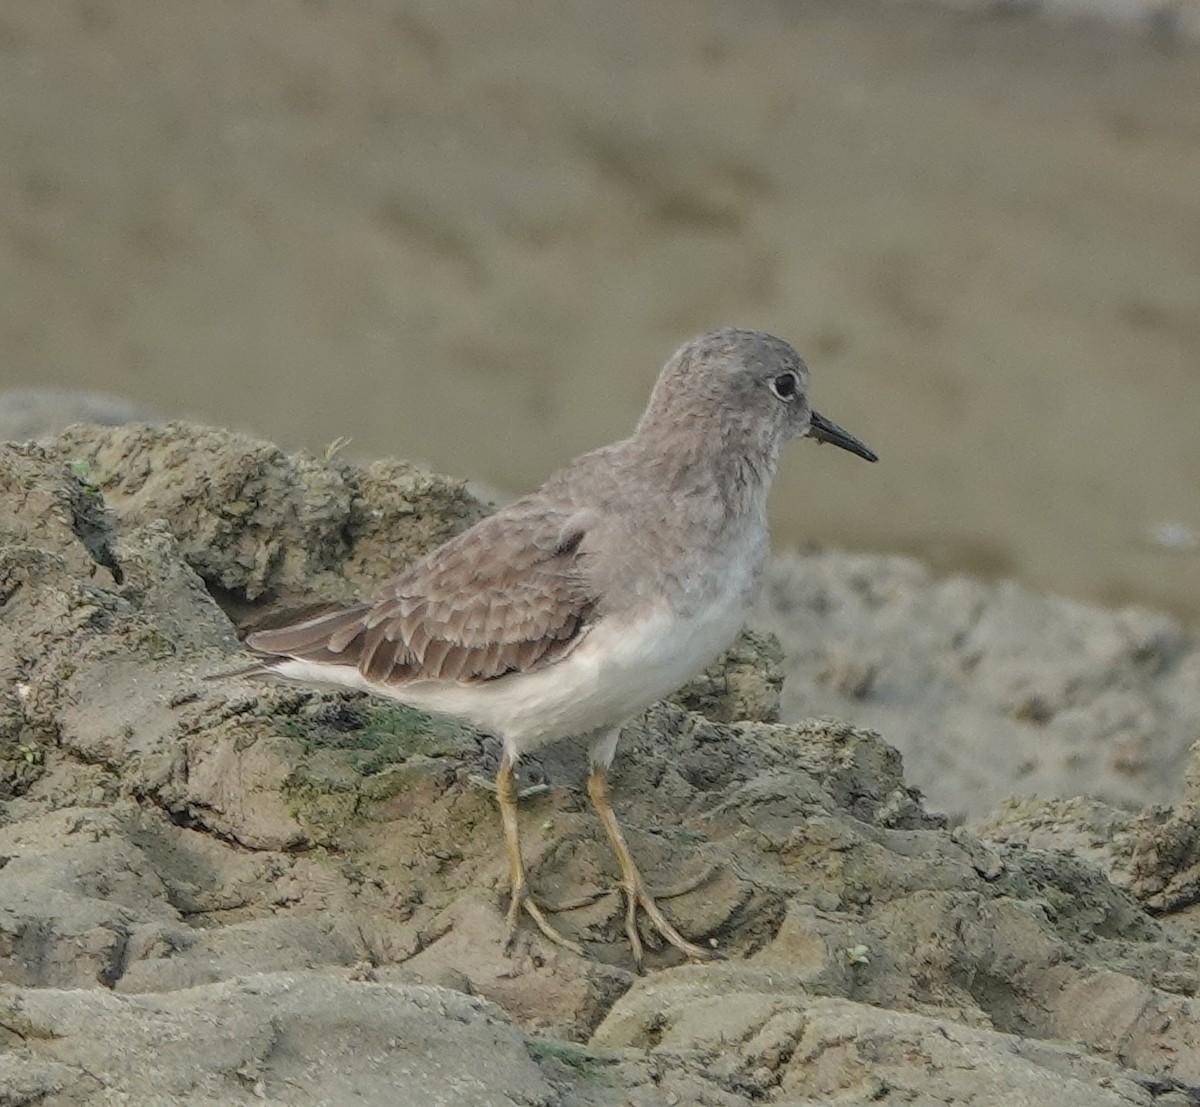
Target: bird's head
x,y
747,386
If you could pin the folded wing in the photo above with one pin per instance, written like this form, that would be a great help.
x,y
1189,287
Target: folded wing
x,y
508,595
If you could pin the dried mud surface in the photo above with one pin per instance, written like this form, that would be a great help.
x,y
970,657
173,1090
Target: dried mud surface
x,y
989,690
234,892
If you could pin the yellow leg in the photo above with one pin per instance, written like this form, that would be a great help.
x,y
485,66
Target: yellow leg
x,y
522,900
634,887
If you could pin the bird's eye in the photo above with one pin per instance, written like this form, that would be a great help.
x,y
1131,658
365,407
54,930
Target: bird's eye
x,y
785,385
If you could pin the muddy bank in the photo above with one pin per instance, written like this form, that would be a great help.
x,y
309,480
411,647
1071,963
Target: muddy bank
x,y
989,690
288,896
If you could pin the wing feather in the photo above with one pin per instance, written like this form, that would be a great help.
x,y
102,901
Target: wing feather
x,y
508,595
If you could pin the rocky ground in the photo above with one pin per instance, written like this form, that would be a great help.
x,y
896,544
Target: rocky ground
x,y
988,689
226,892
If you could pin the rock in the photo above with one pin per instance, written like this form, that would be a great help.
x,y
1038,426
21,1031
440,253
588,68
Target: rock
x,y
988,690
180,849
264,529
280,1038
767,1039
742,685
1153,853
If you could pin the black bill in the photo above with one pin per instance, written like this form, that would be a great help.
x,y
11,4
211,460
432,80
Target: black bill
x,y
825,431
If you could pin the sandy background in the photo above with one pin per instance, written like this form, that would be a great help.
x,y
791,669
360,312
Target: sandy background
x,y
470,233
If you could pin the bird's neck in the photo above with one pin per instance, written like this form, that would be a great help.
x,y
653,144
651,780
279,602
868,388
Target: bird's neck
x,y
740,468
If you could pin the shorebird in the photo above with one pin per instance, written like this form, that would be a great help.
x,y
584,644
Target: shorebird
x,y
571,610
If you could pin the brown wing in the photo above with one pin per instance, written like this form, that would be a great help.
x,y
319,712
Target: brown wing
x,y
505,596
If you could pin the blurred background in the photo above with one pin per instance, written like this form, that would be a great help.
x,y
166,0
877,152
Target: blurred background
x,y
470,233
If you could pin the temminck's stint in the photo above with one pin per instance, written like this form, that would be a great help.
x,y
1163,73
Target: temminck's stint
x,y
573,609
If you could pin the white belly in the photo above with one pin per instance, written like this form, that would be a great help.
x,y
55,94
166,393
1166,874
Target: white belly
x,y
619,669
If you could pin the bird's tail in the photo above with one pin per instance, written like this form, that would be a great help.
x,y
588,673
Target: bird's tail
x,y
260,668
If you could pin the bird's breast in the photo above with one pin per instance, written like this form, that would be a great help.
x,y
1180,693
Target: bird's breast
x,y
651,649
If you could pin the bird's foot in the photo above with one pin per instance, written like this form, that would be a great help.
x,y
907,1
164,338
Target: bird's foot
x,y
638,895
523,901
685,886
487,785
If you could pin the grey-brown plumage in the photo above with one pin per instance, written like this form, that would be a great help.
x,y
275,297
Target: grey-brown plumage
x,y
506,596
574,608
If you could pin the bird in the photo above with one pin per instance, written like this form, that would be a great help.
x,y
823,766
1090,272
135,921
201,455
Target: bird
x,y
571,610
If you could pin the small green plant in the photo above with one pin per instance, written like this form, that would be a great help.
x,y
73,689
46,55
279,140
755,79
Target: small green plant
x,y
585,1062
81,470
857,955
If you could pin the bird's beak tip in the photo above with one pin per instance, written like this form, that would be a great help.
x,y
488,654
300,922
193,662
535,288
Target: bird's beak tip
x,y
825,430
